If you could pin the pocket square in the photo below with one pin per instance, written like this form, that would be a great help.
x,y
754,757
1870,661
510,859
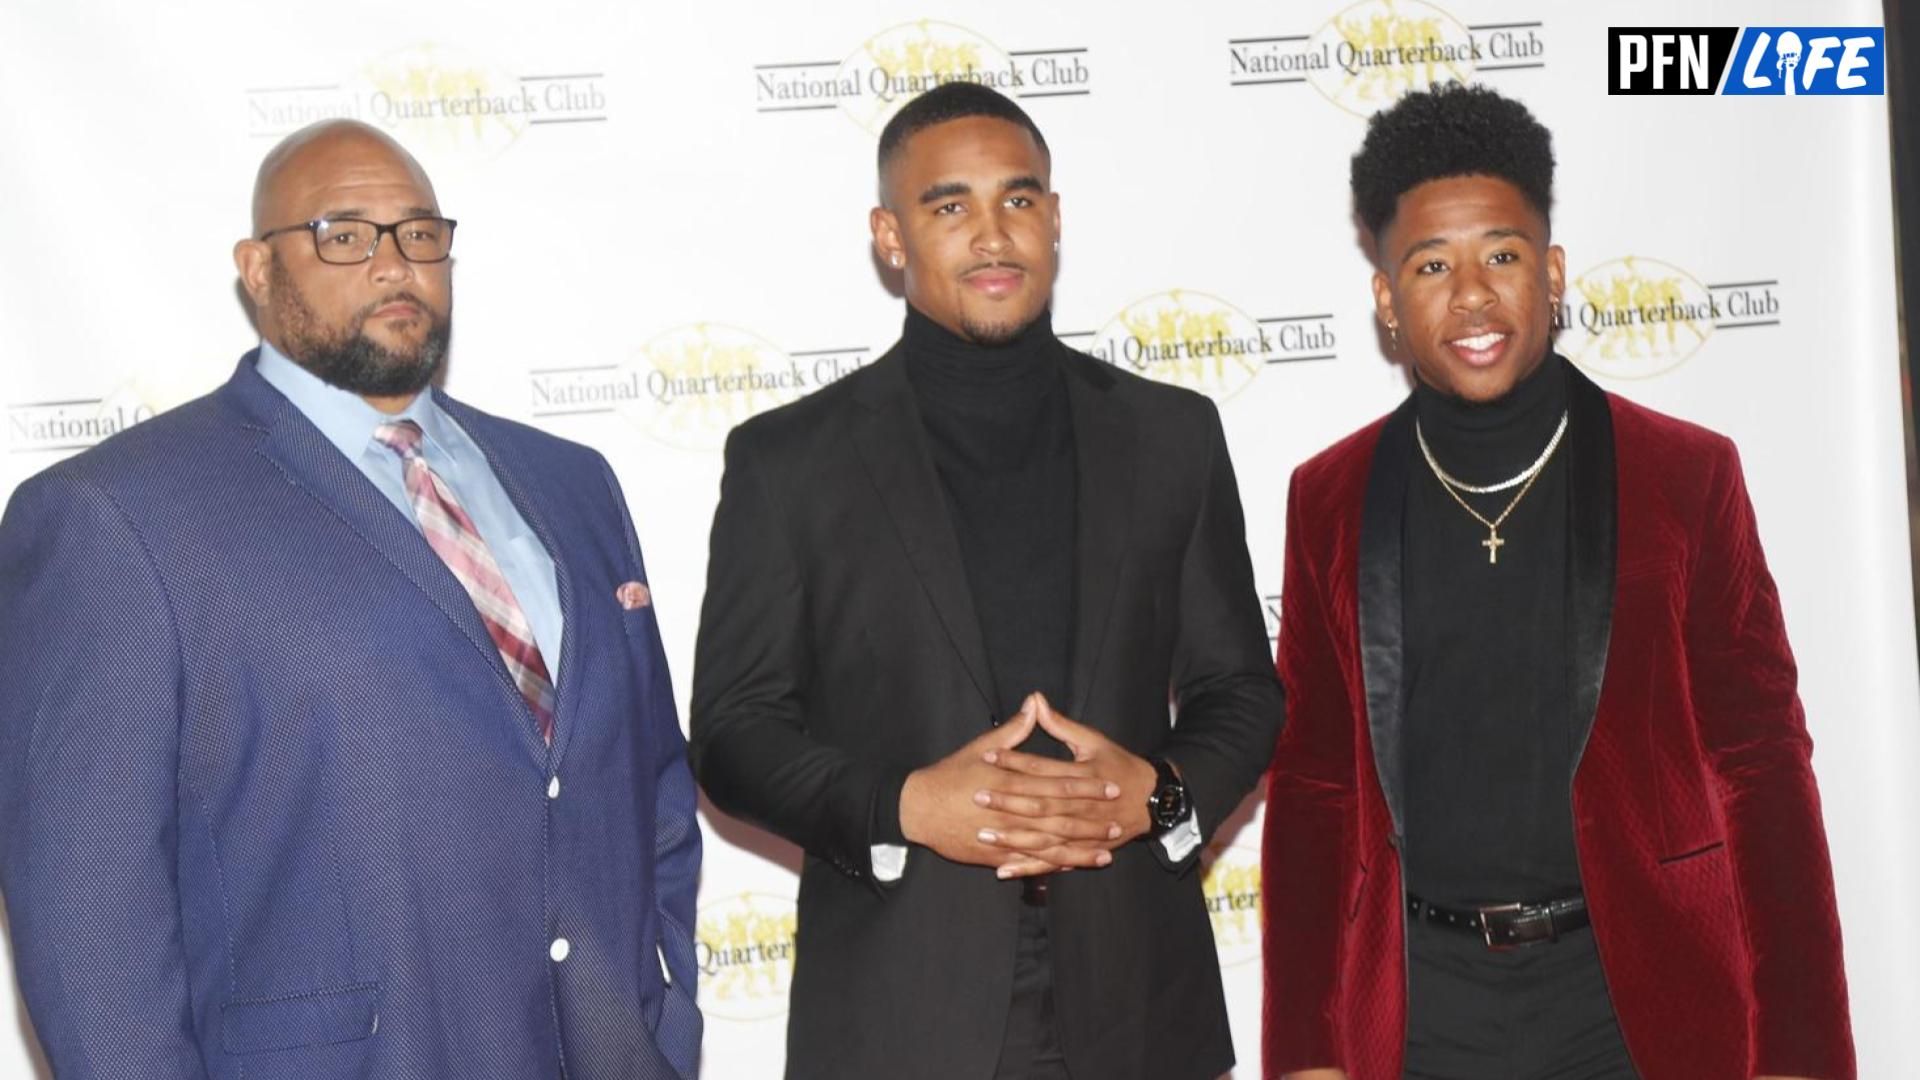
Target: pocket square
x,y
632,595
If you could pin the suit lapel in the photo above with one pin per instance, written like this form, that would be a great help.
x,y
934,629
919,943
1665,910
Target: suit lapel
x,y
1592,539
1382,644
1103,451
311,463
892,445
541,516
1592,523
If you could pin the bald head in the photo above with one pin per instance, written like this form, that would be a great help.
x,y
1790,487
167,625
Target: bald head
x,y
322,155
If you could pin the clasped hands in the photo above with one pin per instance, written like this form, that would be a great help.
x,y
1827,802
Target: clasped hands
x,y
991,804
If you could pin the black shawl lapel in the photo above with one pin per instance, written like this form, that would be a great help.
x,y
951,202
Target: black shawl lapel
x,y
1382,644
1592,521
1592,547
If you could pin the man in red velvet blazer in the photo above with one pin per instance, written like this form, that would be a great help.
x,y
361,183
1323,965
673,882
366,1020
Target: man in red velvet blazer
x,y
1543,805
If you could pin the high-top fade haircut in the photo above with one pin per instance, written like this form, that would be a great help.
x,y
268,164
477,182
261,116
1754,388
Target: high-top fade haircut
x,y
1450,130
951,101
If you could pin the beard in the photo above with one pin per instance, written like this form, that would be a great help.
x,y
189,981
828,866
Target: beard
x,y
994,335
991,335
346,357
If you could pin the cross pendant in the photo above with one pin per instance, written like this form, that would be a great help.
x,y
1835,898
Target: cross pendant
x,y
1493,544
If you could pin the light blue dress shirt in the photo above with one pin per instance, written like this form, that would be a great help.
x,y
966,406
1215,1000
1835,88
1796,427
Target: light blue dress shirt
x,y
348,423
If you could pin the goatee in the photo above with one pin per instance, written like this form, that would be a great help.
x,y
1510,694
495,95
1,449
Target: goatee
x,y
348,358
994,335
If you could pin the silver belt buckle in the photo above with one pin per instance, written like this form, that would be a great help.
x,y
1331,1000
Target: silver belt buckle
x,y
1486,929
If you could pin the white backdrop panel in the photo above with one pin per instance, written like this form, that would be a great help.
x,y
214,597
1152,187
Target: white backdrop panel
x,y
659,197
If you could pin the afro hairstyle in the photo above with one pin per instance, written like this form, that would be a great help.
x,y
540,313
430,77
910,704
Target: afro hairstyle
x,y
1452,129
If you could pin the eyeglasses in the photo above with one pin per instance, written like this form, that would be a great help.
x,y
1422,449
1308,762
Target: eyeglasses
x,y
347,241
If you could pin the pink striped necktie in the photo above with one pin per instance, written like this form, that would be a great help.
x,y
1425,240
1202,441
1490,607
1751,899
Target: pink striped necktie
x,y
451,534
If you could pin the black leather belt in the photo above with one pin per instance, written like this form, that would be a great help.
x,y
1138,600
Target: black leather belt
x,y
1507,926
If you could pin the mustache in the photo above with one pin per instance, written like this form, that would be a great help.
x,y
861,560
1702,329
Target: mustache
x,y
995,264
402,296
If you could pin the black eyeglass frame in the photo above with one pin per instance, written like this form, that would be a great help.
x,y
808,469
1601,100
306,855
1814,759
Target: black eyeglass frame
x,y
380,231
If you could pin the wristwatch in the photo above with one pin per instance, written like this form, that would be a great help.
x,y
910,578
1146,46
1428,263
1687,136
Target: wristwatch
x,y
1167,802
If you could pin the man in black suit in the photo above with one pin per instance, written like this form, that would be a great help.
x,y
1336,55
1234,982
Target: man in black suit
x,y
949,600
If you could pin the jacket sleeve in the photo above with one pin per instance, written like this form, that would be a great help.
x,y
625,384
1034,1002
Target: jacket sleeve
x,y
1309,821
89,759
1753,730
676,866
750,747
1228,703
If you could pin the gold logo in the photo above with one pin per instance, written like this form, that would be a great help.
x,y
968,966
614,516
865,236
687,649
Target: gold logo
x,y
1199,341
902,62
441,102
702,379
1230,882
690,385
1377,50
436,99
744,946
1636,317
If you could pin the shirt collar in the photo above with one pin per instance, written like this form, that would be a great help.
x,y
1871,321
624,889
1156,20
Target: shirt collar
x,y
343,416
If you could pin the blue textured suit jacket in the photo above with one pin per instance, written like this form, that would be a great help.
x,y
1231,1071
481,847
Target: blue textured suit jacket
x,y
270,805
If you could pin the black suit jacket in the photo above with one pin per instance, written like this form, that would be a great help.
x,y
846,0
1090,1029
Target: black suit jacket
x,y
839,649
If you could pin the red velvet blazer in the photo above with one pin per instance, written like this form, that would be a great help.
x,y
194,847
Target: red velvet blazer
x,y
1696,818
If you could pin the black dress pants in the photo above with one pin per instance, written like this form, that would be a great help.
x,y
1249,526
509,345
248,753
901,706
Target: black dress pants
x,y
1031,1048
1535,1013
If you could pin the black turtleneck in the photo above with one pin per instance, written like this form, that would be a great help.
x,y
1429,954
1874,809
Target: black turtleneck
x,y
1489,732
1001,432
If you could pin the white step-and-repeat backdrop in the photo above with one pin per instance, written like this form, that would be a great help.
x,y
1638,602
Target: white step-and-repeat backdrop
x,y
651,194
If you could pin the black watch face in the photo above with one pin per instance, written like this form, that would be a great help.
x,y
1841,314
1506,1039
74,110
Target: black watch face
x,y
1169,805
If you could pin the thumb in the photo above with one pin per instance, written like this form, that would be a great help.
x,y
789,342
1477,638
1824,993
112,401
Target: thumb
x,y
1015,729
1060,727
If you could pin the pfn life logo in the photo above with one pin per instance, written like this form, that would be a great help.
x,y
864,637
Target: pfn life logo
x,y
1781,61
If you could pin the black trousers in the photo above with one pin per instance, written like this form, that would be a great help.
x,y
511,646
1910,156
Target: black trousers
x,y
1534,1013
1031,1048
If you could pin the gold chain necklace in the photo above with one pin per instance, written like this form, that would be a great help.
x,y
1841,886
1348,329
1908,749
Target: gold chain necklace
x,y
1492,543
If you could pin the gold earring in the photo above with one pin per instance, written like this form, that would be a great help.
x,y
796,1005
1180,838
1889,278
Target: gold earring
x,y
1393,337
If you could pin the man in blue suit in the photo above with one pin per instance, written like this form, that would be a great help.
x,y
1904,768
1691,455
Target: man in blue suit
x,y
336,737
